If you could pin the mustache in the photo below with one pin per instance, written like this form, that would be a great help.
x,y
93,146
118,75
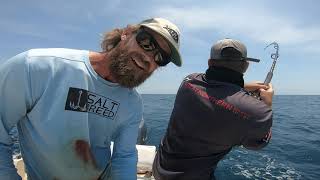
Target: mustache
x,y
141,59
125,72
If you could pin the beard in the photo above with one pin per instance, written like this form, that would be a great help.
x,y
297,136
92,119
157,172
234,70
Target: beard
x,y
124,71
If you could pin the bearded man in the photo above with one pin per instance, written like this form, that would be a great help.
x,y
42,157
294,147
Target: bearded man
x,y
70,104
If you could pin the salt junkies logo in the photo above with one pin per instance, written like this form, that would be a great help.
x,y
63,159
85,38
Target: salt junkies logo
x,y
82,100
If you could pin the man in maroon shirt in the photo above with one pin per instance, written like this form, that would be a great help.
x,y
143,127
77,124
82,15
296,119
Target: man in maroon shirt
x,y
214,112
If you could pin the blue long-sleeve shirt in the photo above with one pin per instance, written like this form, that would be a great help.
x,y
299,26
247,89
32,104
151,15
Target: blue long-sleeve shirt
x,y
66,116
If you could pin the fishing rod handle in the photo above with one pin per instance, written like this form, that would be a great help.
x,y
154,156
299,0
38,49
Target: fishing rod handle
x,y
268,78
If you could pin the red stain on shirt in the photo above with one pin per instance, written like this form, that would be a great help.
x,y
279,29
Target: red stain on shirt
x,y
83,151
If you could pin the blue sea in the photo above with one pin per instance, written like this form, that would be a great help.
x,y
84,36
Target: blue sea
x,y
293,153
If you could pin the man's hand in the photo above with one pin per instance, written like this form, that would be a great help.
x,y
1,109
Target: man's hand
x,y
253,86
266,91
267,94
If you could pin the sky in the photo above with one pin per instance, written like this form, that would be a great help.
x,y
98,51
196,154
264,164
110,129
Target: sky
x,y
78,24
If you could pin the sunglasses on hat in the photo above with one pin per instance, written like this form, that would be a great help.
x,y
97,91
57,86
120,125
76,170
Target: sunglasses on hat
x,y
148,43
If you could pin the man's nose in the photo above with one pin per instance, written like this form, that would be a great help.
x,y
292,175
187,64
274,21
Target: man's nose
x,y
149,56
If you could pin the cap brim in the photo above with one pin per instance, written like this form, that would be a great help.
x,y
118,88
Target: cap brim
x,y
252,59
175,55
230,59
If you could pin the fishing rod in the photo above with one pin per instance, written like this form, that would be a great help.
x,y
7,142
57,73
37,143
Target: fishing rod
x,y
269,76
275,57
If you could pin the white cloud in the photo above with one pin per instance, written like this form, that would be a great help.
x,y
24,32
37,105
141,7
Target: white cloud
x,y
20,28
38,30
312,48
256,23
91,18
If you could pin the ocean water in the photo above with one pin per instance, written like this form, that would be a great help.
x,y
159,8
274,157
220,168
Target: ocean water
x,y
293,153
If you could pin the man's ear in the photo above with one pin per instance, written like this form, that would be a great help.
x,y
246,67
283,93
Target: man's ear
x,y
123,36
210,62
125,33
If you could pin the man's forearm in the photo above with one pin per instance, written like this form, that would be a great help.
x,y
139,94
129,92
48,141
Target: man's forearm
x,y
124,167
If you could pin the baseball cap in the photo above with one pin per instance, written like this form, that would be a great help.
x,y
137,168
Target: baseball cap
x,y
169,32
230,50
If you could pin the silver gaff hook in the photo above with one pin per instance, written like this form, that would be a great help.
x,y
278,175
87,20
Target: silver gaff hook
x,y
275,57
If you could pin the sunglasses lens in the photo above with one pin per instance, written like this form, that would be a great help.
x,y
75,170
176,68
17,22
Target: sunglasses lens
x,y
147,43
158,57
161,59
